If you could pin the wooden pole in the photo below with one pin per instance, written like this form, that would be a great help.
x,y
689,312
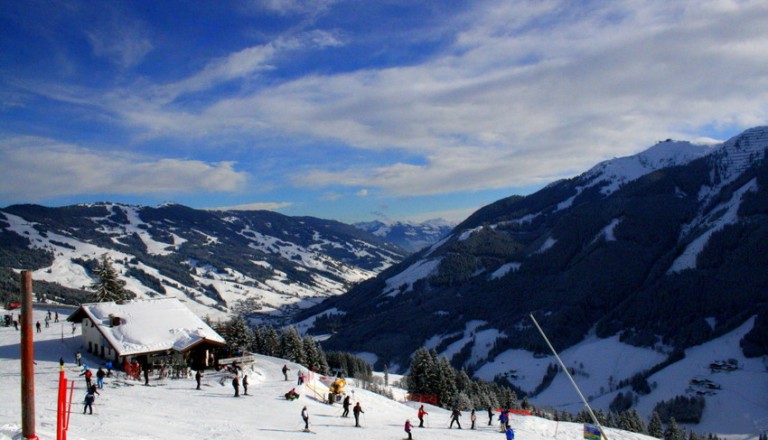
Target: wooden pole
x,y
27,359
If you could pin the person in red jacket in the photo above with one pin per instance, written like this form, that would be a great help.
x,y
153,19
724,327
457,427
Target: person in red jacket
x,y
421,415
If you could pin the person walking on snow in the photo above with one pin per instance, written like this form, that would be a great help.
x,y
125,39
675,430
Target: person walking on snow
x,y
473,419
38,326
100,378
198,378
236,386
356,411
88,403
305,417
245,385
345,404
78,357
421,415
490,416
285,371
455,414
408,429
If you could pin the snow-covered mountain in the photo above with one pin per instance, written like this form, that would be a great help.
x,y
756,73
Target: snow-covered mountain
x,y
665,251
257,261
410,236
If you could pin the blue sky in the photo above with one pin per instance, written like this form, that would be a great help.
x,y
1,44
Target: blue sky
x,y
356,110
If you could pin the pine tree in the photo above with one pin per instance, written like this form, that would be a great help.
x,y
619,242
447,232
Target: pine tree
x,y
655,427
423,372
446,382
673,431
292,346
238,335
108,287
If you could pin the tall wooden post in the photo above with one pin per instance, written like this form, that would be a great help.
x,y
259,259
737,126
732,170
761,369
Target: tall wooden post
x,y
27,359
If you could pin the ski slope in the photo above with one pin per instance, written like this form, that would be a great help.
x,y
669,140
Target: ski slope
x,y
172,409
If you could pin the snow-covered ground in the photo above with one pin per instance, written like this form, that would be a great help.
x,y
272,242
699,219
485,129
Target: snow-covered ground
x,y
173,409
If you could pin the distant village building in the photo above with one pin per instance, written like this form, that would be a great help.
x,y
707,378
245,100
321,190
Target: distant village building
x,y
151,331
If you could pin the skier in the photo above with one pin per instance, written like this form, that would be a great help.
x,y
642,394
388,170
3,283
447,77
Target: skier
x,y
56,317
503,419
236,386
38,326
285,371
408,429
455,414
300,376
100,378
356,411
88,403
47,322
109,368
473,418
87,373
245,385
78,357
198,378
146,375
345,404
510,433
305,417
490,416
421,415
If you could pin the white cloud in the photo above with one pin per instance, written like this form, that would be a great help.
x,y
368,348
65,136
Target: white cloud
x,y
362,193
35,168
258,206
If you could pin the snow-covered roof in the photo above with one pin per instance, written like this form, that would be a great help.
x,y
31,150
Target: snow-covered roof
x,y
148,325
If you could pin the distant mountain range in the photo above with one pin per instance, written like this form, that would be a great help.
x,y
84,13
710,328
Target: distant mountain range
x,y
410,236
216,261
665,250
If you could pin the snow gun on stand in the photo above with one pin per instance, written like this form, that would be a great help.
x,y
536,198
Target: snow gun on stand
x,y
335,389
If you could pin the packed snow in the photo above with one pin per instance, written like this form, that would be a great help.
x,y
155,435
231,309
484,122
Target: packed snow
x,y
171,409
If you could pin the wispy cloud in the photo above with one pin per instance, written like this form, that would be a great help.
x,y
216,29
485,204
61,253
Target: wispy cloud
x,y
31,167
257,206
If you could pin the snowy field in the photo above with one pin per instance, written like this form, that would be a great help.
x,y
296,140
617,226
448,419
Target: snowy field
x,y
172,409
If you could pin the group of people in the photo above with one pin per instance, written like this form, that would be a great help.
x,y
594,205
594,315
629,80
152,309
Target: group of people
x,y
91,389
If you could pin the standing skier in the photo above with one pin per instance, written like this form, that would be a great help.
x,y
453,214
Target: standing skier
x,y
356,411
490,416
345,404
421,415
408,429
455,414
236,386
100,378
473,419
198,378
245,385
285,371
88,403
305,417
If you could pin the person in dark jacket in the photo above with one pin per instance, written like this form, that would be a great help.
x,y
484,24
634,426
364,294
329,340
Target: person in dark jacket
x,y
357,410
285,371
245,385
473,419
88,403
100,378
198,378
236,386
455,418
345,404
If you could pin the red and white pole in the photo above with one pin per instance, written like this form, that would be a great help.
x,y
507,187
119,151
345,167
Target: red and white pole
x,y
27,359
